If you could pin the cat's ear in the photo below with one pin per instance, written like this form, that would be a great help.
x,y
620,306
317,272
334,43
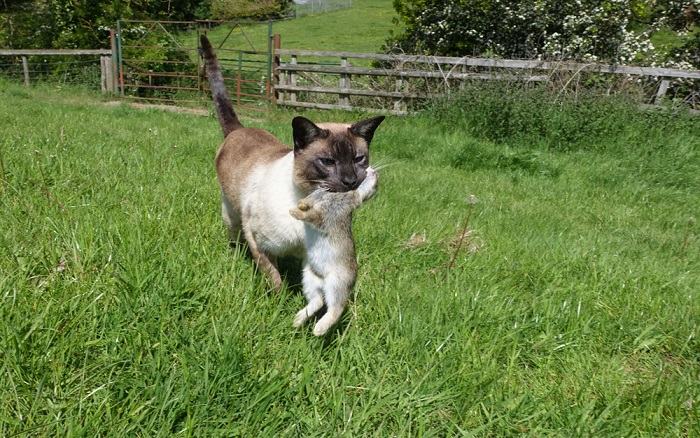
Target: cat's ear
x,y
305,132
366,128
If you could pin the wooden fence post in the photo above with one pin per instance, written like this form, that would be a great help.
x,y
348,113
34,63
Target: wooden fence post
x,y
292,80
661,92
344,84
276,45
114,59
103,75
109,76
398,87
25,68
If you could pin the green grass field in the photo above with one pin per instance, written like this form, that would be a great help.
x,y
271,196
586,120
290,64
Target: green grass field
x,y
362,28
570,308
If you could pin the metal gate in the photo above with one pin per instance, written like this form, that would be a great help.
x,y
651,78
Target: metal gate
x,y
159,62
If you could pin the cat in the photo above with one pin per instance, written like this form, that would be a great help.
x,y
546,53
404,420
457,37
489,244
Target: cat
x,y
330,250
261,178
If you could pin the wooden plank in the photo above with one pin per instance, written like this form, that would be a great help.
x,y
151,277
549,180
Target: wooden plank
x,y
353,92
332,106
53,52
506,63
407,73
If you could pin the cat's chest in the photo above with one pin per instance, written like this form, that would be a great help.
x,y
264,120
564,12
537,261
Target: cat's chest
x,y
266,201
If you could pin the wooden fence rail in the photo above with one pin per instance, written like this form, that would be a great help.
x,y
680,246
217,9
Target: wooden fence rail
x,y
441,68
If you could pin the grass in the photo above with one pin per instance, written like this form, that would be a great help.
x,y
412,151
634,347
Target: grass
x,y
362,28
571,309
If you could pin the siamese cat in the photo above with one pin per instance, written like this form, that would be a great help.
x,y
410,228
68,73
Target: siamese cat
x,y
262,179
330,250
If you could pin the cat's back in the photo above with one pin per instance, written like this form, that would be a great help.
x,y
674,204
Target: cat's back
x,y
243,151
246,148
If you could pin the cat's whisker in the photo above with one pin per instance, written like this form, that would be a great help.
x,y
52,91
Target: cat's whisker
x,y
381,165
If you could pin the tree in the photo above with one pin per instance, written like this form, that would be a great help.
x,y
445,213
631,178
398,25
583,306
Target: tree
x,y
82,23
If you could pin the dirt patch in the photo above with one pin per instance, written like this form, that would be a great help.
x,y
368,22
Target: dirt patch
x,y
171,108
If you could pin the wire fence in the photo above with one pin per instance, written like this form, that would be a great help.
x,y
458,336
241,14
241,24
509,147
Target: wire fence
x,y
159,61
62,70
310,7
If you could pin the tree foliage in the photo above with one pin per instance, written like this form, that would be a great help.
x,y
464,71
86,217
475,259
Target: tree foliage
x,y
82,23
610,30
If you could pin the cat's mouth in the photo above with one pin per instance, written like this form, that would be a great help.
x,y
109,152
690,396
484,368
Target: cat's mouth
x,y
339,187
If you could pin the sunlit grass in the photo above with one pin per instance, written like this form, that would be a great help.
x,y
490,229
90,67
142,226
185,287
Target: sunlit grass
x,y
570,308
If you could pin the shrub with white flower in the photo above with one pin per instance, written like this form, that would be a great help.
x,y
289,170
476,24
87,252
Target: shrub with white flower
x,y
588,30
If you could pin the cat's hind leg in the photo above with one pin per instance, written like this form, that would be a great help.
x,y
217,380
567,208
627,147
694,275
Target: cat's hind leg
x,y
313,291
336,290
264,263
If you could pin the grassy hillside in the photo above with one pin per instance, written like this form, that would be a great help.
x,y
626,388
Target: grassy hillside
x,y
362,28
569,308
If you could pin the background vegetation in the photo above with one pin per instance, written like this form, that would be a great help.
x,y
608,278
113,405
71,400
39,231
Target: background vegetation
x,y
368,23
622,31
524,270
59,24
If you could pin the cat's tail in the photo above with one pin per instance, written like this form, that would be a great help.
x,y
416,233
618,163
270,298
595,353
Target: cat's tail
x,y
222,102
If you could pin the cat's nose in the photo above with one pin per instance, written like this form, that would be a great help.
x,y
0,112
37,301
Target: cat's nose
x,y
349,181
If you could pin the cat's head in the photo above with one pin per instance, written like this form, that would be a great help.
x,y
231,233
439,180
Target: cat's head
x,y
333,156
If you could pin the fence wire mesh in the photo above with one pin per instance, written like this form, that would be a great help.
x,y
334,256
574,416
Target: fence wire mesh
x,y
160,61
310,7
62,70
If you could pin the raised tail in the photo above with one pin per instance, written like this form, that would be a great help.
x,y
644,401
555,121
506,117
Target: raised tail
x,y
222,102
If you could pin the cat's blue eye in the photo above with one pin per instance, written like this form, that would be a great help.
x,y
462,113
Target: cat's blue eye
x,y
327,161
360,158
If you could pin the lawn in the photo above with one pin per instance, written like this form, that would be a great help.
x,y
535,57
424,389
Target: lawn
x,y
569,308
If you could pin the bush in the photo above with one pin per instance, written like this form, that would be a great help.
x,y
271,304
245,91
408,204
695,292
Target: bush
x,y
540,117
589,30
